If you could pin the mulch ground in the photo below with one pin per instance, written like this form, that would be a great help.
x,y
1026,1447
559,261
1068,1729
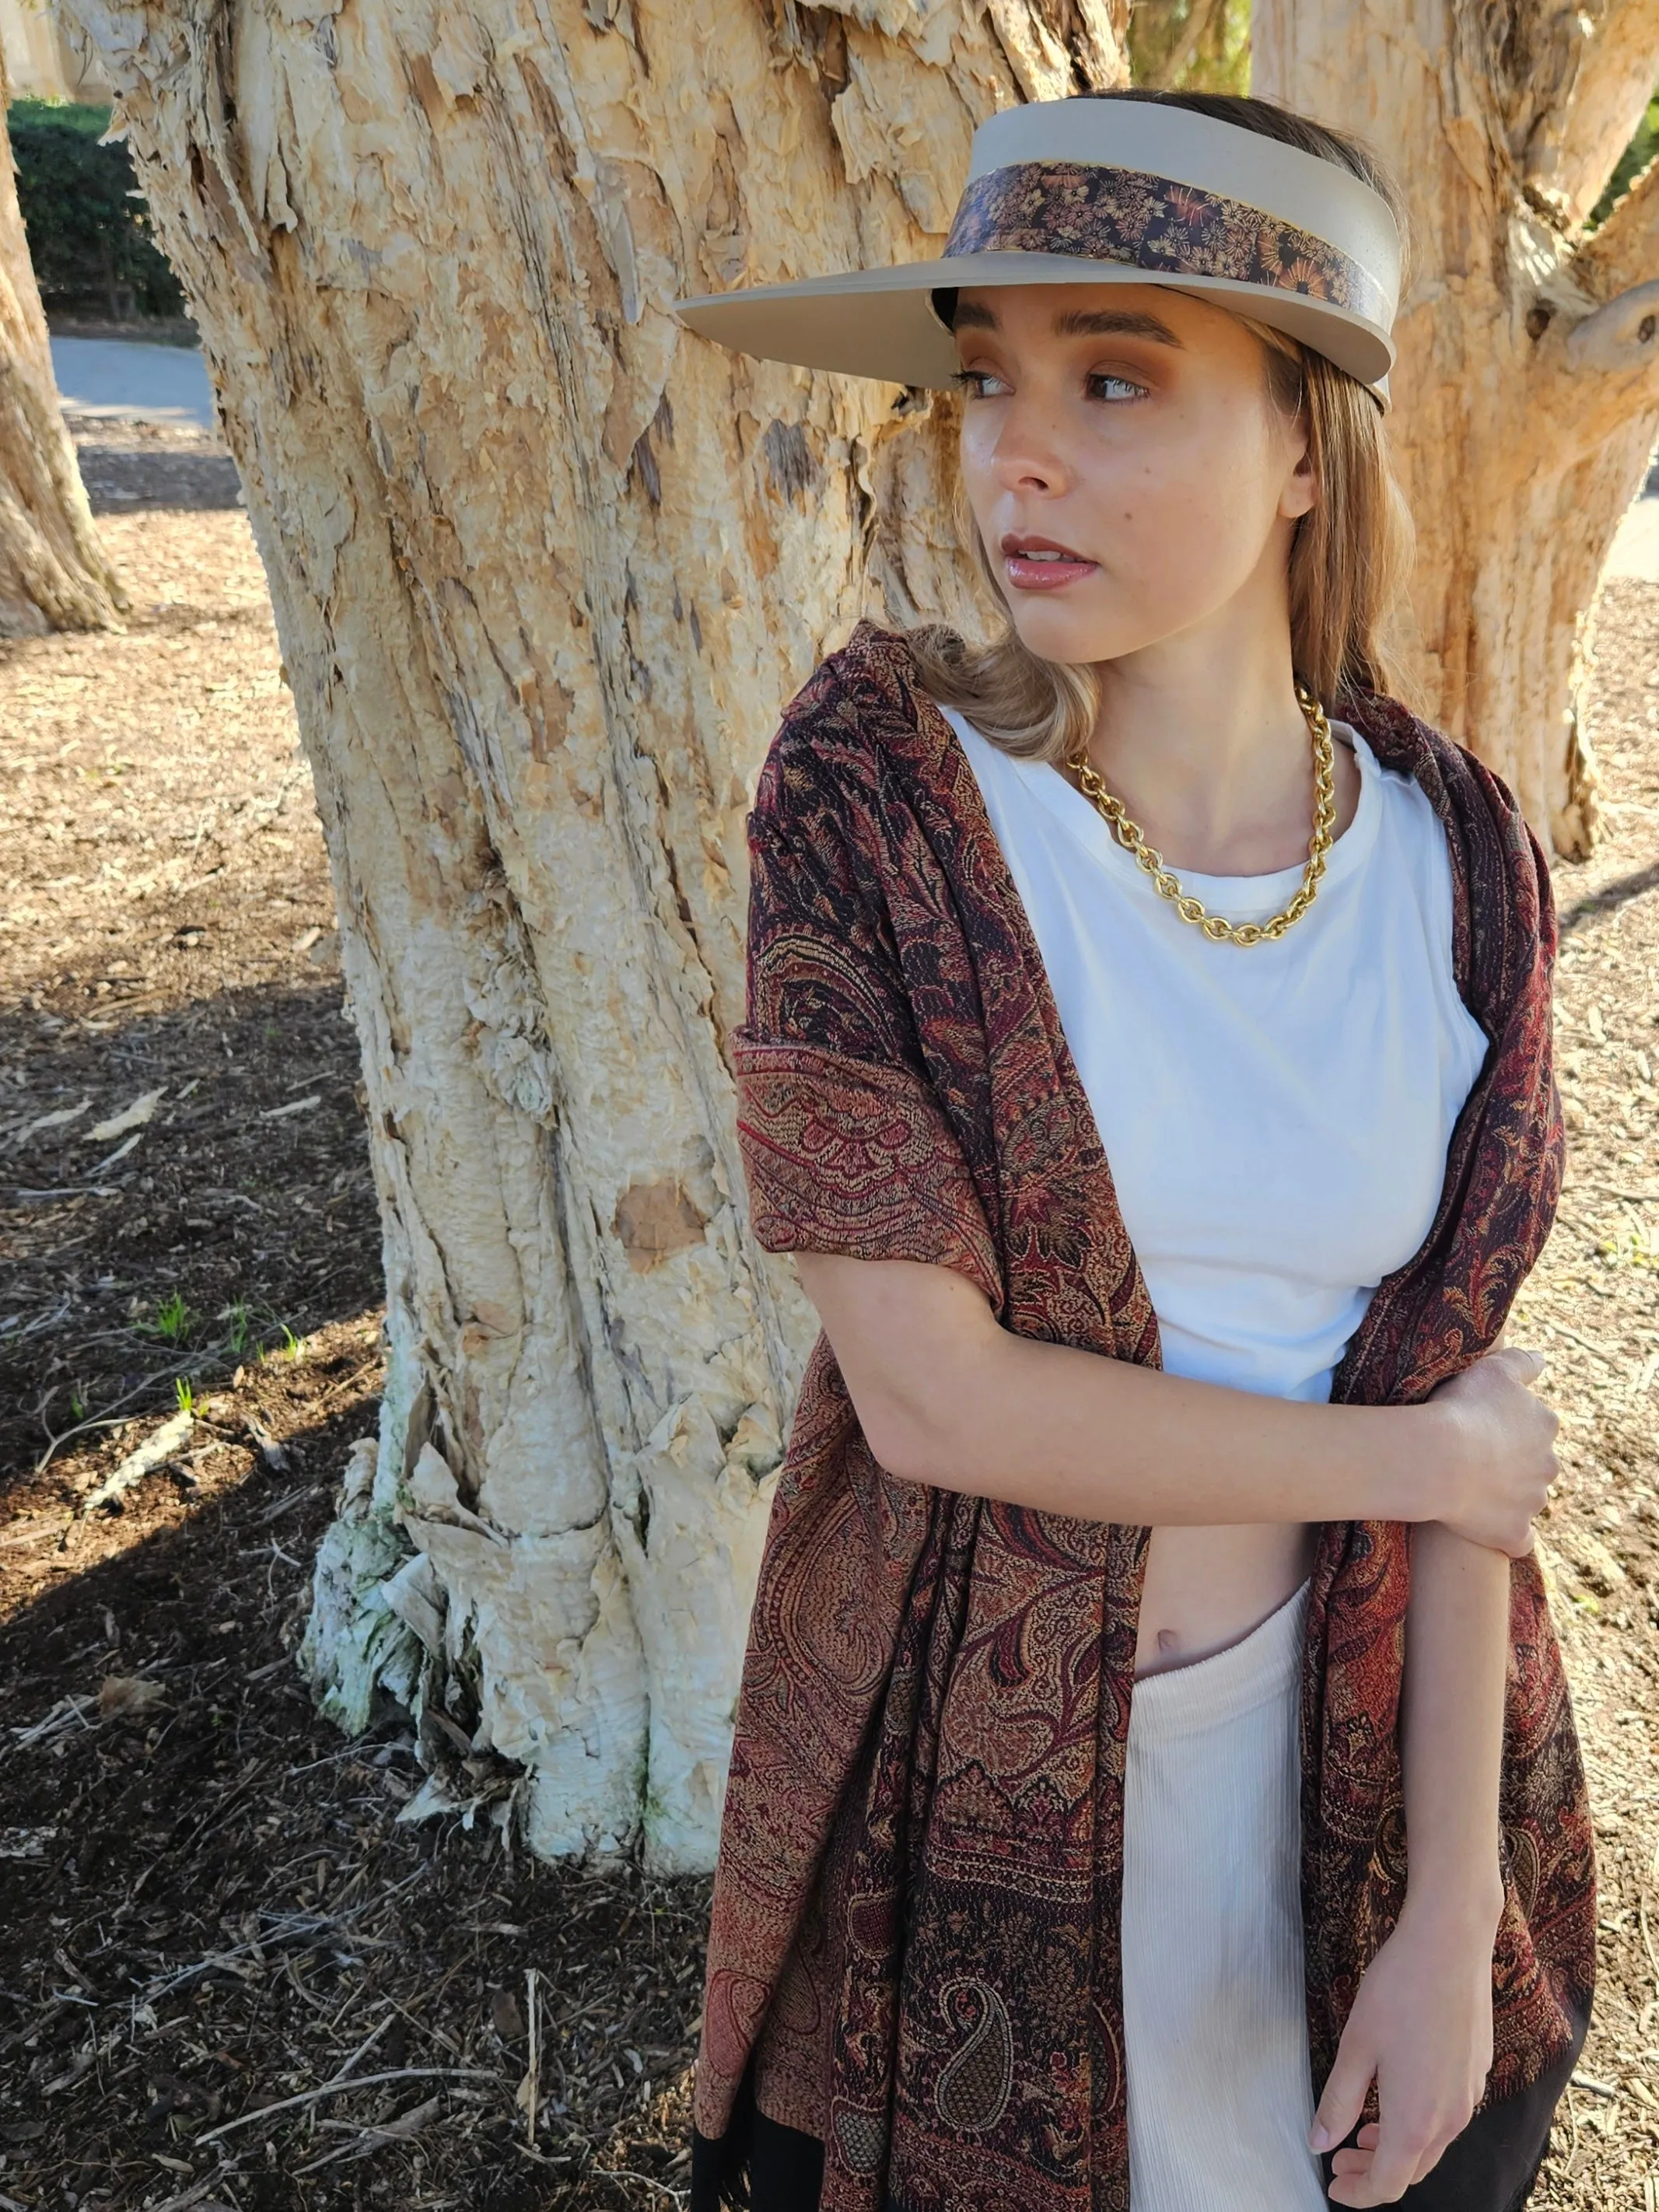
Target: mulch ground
x,y
230,1975
208,1904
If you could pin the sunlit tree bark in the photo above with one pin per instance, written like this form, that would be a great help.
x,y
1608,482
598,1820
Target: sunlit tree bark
x,y
1527,390
545,569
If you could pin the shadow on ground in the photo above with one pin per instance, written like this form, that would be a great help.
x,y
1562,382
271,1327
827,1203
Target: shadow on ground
x,y
209,1904
137,468
239,1215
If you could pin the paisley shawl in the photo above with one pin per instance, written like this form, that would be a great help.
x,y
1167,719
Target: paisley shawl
x,y
913,1991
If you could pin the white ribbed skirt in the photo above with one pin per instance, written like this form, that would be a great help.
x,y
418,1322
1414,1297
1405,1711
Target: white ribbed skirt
x,y
1214,2013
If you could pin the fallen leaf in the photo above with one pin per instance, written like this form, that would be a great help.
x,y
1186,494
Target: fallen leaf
x,y
142,1110
131,1695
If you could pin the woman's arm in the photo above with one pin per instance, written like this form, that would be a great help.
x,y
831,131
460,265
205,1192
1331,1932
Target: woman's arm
x,y
1422,2022
1451,1728
947,1395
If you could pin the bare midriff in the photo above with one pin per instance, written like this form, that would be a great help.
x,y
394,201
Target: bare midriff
x,y
1208,1588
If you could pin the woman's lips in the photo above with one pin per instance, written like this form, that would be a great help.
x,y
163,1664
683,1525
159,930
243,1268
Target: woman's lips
x,y
1034,565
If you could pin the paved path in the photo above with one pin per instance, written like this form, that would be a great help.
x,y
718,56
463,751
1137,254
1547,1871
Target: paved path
x,y
142,383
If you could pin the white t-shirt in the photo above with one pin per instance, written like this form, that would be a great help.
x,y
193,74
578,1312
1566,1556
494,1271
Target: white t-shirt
x,y
1276,1118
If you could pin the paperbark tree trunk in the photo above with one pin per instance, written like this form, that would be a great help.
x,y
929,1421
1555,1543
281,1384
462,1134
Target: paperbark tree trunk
x,y
545,569
1527,394
53,574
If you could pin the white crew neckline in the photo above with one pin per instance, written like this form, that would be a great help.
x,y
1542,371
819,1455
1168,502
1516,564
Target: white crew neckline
x,y
1247,898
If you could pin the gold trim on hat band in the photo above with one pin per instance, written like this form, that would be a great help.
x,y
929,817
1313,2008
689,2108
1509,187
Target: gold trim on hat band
x,y
1102,213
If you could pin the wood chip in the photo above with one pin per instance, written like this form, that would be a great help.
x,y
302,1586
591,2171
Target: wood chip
x,y
158,1447
298,1106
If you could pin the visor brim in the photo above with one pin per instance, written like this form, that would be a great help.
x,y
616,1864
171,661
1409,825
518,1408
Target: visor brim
x,y
879,322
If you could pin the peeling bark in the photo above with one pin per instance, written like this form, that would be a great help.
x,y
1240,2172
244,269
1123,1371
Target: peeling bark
x,y
545,569
53,574
1527,394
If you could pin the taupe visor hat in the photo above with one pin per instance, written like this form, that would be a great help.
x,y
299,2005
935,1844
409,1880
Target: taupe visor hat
x,y
1106,191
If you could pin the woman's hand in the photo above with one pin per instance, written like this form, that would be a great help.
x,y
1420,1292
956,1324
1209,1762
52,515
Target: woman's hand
x,y
1421,2027
1500,1436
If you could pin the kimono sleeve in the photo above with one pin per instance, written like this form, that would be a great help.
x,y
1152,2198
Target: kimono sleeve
x,y
846,1144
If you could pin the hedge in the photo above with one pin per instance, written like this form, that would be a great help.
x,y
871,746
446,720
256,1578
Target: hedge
x,y
88,230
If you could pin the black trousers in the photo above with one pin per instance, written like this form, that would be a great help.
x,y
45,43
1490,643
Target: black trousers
x,y
1491,2167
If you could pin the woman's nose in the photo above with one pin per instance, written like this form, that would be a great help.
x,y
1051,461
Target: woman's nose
x,y
1028,458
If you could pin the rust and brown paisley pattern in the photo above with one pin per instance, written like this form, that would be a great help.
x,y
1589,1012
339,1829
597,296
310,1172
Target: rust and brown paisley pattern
x,y
914,1927
1103,214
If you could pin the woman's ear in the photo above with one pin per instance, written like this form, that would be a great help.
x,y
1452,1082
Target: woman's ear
x,y
1301,488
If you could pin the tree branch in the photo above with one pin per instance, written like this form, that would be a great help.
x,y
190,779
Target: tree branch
x,y
1571,153
1603,343
1625,251
1620,336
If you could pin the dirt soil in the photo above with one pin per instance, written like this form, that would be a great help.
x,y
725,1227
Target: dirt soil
x,y
229,1974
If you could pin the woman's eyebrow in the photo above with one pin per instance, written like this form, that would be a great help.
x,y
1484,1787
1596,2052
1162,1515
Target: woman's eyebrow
x,y
1112,322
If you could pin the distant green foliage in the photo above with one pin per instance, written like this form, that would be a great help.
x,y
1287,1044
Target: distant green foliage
x,y
89,233
1635,158
66,114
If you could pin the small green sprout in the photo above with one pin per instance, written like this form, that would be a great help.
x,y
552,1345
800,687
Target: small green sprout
x,y
172,1320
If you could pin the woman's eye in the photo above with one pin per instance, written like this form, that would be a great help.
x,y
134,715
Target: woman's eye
x,y
1104,384
975,381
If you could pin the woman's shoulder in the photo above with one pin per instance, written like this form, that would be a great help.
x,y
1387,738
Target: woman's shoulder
x,y
1452,777
859,712
1503,904
865,691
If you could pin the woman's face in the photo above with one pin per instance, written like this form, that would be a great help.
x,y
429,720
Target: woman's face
x,y
1127,433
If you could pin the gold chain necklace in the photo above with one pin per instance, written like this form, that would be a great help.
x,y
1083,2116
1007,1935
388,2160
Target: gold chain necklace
x,y
1214,926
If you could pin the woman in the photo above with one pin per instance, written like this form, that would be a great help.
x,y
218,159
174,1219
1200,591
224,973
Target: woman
x,y
1150,1073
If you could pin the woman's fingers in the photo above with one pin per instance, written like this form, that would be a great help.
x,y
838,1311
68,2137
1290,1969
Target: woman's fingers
x,y
1527,1364
1400,2149
1356,2157
1343,2097
1361,2175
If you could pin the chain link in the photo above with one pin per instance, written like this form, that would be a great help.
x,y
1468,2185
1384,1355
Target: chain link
x,y
1215,927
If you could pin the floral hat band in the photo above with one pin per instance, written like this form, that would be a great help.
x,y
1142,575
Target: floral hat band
x,y
1162,227
1106,191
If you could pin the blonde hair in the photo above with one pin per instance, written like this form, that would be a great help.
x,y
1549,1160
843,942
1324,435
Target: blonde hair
x,y
1349,556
